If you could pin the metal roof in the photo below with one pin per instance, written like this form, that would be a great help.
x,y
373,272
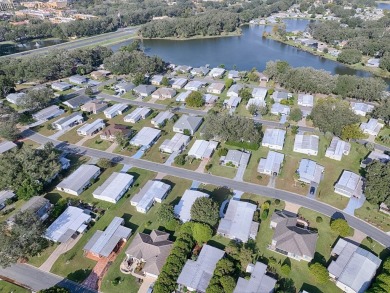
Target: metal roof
x,y
91,127
183,208
145,136
6,146
176,143
79,178
258,282
310,171
153,190
191,123
161,117
337,148
259,92
274,137
306,142
137,114
112,188
69,119
78,101
181,97
202,149
272,163
349,183
305,100
114,109
48,113
6,194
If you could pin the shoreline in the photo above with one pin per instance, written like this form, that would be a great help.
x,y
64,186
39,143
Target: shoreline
x,y
377,72
236,33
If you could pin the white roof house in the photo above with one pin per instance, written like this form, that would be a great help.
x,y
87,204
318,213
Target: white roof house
x,y
349,185
162,118
15,98
202,149
259,281
176,144
183,68
258,102
103,243
153,191
210,99
354,267
233,74
372,127
200,71
236,157
48,113
91,128
337,149
73,220
146,137
216,88
361,109
61,86
274,138
194,85
69,121
179,83
186,122
305,100
124,87
232,102
78,79
114,187
144,90
114,110
237,223
80,179
196,275
278,96
306,144
217,72
272,164
137,114
183,208
5,146
156,79
4,196
181,97
279,109
259,93
309,171
234,90
163,93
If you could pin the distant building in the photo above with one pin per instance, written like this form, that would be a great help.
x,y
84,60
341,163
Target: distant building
x,y
124,87
375,155
279,109
179,83
72,221
292,237
99,74
236,158
114,110
384,208
373,62
361,109
77,101
114,187
183,68
216,88
201,71
278,96
349,185
5,146
196,275
61,86
163,93
237,224
272,164
176,144
189,123
137,114
48,113
183,208
274,138
234,90
306,144
4,196
353,268
157,79
68,121
202,149
144,90
146,137
372,127
15,98
309,171
232,102
217,72
337,149
259,281
181,97
153,191
161,119
79,180
91,128
78,79
94,107
305,100
234,74
210,99
111,132
194,85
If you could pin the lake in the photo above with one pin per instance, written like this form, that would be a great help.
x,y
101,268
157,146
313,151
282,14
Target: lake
x,y
7,49
245,52
384,6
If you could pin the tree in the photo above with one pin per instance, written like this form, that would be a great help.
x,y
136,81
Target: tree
x,y
285,269
382,281
8,125
165,213
383,111
89,91
228,284
165,81
263,110
341,227
54,289
252,109
195,100
349,56
205,210
6,84
253,76
104,163
294,129
121,139
351,131
377,186
319,272
138,79
332,115
201,233
245,94
295,114
37,99
228,83
22,240
28,189
385,62
180,159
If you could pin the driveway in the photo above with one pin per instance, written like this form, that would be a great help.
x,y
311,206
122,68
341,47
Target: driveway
x,y
312,196
354,204
147,281
242,167
171,158
139,153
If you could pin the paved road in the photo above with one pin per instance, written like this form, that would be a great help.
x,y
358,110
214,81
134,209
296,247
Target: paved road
x,y
315,205
36,279
78,43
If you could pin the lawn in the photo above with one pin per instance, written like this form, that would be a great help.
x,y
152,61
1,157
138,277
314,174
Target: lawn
x,y
372,215
71,135
221,170
287,179
45,129
40,258
97,143
251,174
191,163
385,132
31,143
6,287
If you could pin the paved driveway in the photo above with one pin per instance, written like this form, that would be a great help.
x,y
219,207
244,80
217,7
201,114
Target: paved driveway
x,y
354,204
242,167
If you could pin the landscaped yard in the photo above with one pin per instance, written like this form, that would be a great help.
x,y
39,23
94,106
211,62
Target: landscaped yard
x,y
97,143
45,129
71,135
6,287
372,215
251,174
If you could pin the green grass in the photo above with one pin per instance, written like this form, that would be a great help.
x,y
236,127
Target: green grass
x,y
221,170
372,215
71,136
97,143
385,132
40,258
251,174
31,143
43,128
6,287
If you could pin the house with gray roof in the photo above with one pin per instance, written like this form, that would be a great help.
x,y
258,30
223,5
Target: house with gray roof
x,y
236,158
279,109
278,96
274,138
61,86
162,118
194,85
176,144
186,122
71,222
361,109
146,137
6,145
234,74
309,171
210,99
103,243
15,98
232,102
306,100
272,164
163,93
68,121
157,79
238,221
200,71
259,93
124,87
144,90
37,205
78,79
234,90
150,251
4,196
306,144
216,88
337,149
349,185
179,83
91,128
183,68
202,149
196,274
352,267
114,110
79,180
77,101
114,187
183,208
372,127
292,236
375,155
153,191
137,115
217,72
181,97
48,113
259,281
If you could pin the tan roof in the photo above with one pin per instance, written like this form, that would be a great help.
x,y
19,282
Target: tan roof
x,y
114,129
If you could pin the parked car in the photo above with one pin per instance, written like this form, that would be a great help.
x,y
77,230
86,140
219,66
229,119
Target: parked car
x,y
312,190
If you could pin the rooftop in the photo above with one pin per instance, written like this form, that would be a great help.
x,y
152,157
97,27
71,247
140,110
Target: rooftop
x,y
78,178
274,137
272,163
350,183
306,142
152,190
188,122
258,282
6,146
183,208
309,171
202,148
145,136
113,186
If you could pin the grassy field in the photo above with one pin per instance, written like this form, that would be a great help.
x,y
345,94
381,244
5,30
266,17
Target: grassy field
x,y
31,143
40,258
43,128
97,143
385,132
6,287
372,215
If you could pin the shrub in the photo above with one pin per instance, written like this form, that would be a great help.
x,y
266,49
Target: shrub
x,y
264,215
244,145
285,269
319,219
180,159
341,226
277,201
320,272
